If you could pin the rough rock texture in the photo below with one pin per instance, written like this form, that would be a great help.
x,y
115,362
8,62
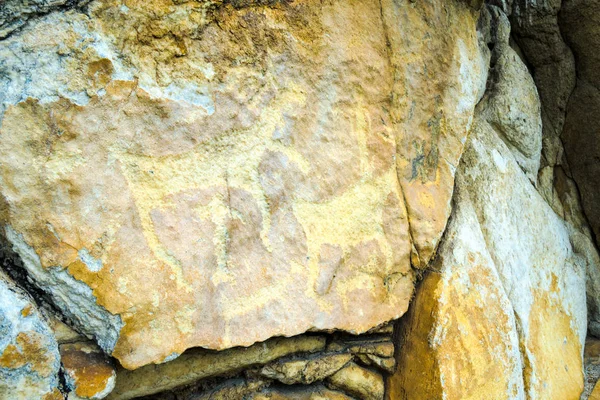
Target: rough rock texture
x,y
511,102
258,170
318,392
15,13
29,358
359,382
580,24
507,299
542,40
279,367
595,395
306,371
180,179
536,30
592,366
459,339
536,271
198,364
543,278
88,372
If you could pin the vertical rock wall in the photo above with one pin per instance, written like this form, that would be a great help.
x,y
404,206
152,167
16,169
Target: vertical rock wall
x,y
241,199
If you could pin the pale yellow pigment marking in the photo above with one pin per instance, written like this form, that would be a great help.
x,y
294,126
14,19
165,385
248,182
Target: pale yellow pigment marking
x,y
361,127
61,164
258,299
360,207
231,159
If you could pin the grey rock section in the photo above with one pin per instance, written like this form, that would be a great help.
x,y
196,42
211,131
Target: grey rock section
x,y
29,357
580,25
536,30
530,246
38,70
74,298
15,13
548,33
511,102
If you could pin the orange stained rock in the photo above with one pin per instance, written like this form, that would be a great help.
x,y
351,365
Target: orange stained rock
x,y
555,347
89,369
29,349
54,395
458,339
221,186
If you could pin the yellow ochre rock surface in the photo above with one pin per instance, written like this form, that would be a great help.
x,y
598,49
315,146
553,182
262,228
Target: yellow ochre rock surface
x,y
214,175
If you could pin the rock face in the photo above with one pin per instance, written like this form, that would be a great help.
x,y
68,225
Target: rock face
x,y
542,277
29,358
298,199
579,22
459,339
199,364
88,373
540,28
499,279
247,182
506,295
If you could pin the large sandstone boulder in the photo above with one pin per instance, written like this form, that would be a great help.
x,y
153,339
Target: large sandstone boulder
x,y
508,280
459,339
541,275
184,185
181,174
503,313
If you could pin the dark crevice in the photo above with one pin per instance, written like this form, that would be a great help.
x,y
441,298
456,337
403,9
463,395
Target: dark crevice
x,y
62,381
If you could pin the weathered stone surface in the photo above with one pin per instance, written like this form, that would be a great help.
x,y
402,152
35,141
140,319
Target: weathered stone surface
x,y
579,24
379,346
542,276
432,100
459,338
386,364
214,173
15,13
359,382
595,395
89,374
511,102
63,333
29,359
314,392
306,371
508,258
592,365
536,30
181,174
376,351
232,389
198,364
541,28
